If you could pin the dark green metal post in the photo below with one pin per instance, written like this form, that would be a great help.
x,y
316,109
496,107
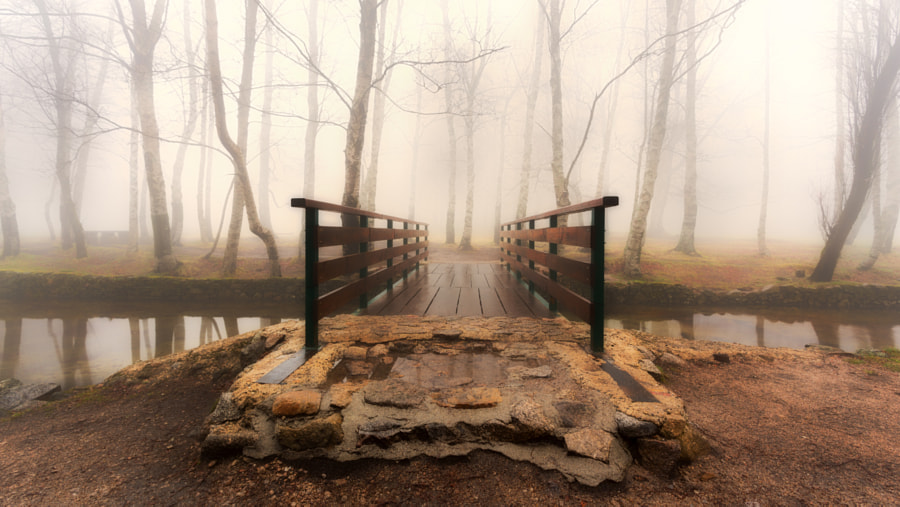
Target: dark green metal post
x,y
554,249
405,242
364,272
417,250
312,280
518,257
390,261
598,233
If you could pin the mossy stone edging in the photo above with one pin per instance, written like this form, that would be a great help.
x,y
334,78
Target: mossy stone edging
x,y
851,297
15,285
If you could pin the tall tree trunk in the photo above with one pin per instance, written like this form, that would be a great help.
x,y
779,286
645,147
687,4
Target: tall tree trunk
x,y
689,217
465,241
501,164
885,204
265,136
186,132
865,157
204,218
635,242
145,36
370,186
762,249
450,229
134,175
242,193
560,185
840,138
8,222
312,106
237,150
414,165
531,95
70,225
356,127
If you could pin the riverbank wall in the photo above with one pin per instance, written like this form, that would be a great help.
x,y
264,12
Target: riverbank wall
x,y
31,286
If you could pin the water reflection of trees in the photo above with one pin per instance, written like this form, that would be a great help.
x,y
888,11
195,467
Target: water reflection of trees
x,y
12,342
858,329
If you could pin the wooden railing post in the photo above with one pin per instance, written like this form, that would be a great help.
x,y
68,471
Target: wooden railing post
x,y
364,272
312,278
598,259
530,261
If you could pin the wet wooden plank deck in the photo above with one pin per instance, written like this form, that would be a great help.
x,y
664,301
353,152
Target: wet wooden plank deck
x,y
461,290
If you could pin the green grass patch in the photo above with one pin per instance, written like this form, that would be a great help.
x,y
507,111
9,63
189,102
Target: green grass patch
x,y
888,359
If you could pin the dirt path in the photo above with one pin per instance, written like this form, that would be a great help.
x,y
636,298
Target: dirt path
x,y
806,431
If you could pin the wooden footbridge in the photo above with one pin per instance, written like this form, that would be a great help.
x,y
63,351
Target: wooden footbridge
x,y
377,265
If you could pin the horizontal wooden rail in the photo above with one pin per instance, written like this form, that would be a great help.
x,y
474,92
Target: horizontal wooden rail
x,y
517,247
375,267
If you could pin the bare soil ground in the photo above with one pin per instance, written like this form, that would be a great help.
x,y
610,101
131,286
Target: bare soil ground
x,y
783,431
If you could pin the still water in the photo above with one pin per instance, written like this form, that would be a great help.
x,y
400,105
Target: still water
x,y
78,344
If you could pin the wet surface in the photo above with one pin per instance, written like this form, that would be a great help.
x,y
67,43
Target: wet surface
x,y
76,344
792,328
432,370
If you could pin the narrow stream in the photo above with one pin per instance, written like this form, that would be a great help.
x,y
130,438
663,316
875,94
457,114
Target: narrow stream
x,y
77,344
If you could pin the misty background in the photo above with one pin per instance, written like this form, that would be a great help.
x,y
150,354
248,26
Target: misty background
x,y
604,38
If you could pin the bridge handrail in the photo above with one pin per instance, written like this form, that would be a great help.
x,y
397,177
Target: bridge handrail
x,y
302,202
592,236
356,261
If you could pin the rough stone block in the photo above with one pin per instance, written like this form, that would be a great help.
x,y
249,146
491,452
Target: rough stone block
x,y
394,393
312,434
659,456
589,442
631,427
294,403
225,410
356,353
531,417
476,397
671,360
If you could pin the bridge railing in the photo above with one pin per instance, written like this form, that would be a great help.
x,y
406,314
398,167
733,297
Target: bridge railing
x,y
366,269
518,251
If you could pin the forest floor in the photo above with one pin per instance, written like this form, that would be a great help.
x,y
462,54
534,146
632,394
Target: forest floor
x,y
819,430
796,429
721,264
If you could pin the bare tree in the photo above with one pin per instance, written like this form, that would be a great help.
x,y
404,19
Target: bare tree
x,y
689,218
312,107
8,222
635,242
450,229
142,36
762,249
187,131
241,192
63,68
370,185
560,186
880,61
237,150
531,96
356,127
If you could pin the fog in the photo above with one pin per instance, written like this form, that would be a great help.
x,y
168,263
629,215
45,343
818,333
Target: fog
x,y
729,114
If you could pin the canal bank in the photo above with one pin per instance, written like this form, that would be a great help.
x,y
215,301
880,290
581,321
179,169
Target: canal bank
x,y
41,286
